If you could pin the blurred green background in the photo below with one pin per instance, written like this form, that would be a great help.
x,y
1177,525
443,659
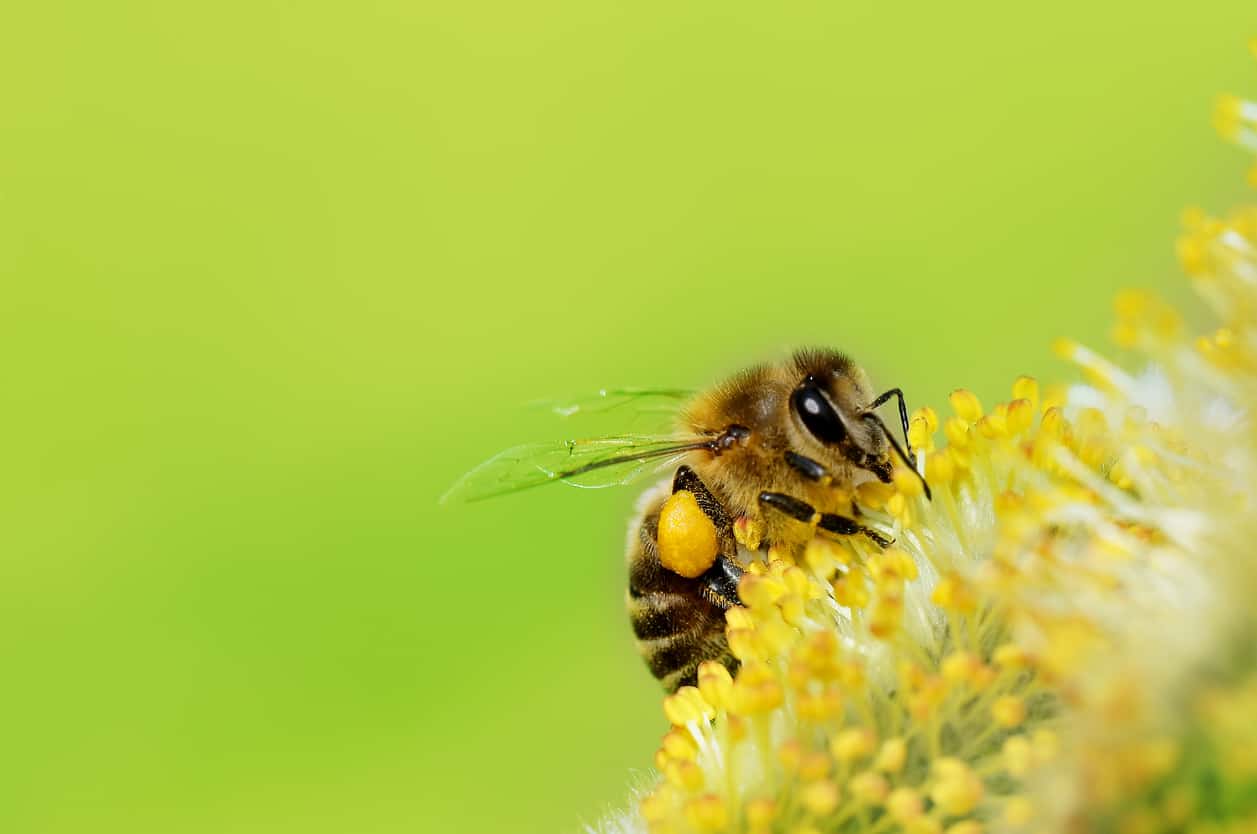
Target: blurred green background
x,y
275,274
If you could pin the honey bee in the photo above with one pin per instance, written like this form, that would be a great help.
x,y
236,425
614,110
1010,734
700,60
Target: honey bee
x,y
778,449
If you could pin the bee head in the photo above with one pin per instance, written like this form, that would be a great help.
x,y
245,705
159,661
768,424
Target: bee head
x,y
827,402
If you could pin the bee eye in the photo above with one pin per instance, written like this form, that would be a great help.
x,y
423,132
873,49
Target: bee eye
x,y
818,415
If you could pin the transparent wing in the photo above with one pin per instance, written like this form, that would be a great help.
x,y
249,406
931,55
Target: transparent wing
x,y
601,462
632,400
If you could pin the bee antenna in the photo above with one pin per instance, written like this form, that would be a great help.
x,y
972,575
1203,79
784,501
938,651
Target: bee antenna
x,y
894,444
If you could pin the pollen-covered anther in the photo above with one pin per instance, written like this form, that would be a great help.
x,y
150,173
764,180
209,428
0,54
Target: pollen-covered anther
x,y
820,707
684,773
760,813
715,684
707,813
966,405
905,805
814,765
755,690
960,667
851,589
907,483
869,787
1011,656
1008,711
965,827
820,798
686,706
679,744
921,429
748,532
955,593
957,789
940,468
892,756
823,557
760,591
853,743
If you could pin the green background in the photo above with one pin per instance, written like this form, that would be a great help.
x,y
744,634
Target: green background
x,y
275,274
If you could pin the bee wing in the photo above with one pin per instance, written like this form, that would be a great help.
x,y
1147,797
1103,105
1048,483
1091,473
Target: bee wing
x,y
633,400
596,463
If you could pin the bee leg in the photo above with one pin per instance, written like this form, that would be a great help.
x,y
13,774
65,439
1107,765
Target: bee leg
x,y
807,467
687,479
894,444
720,583
800,510
903,413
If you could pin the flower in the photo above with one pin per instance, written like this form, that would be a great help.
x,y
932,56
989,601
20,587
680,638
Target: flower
x,y
1062,637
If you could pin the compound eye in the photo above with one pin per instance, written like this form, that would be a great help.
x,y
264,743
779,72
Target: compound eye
x,y
818,415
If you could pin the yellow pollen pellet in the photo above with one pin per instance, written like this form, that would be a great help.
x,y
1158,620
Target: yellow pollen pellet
x,y
966,405
687,539
1008,711
707,813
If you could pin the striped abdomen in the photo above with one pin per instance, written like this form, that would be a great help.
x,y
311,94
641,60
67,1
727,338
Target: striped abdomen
x,y
677,623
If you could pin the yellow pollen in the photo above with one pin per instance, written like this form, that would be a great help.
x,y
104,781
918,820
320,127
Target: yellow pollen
x,y
687,539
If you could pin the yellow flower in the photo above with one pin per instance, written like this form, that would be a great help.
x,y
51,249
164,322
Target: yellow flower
x,y
1064,633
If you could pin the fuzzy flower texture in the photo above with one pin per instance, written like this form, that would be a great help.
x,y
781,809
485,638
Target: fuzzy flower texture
x,y
1064,639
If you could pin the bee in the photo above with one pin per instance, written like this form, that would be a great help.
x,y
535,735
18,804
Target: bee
x,y
777,449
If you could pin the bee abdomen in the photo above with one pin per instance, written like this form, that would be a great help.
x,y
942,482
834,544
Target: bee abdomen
x,y
676,625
